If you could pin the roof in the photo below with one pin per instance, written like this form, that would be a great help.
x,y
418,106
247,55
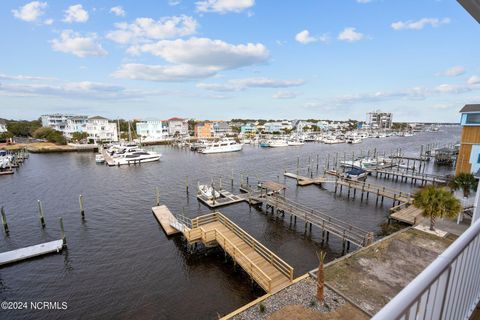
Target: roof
x,y
176,119
470,108
274,186
97,118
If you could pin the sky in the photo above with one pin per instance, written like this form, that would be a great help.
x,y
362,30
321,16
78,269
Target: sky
x,y
223,59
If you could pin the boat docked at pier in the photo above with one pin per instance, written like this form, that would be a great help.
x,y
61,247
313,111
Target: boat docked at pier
x,y
208,191
353,139
277,143
133,155
222,146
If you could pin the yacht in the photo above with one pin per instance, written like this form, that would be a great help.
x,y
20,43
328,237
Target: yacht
x,y
99,158
224,145
332,140
5,160
295,142
278,143
353,139
134,155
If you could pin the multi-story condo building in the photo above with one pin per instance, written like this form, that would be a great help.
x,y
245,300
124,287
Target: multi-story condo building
x,y
177,127
100,129
153,130
248,128
279,126
379,120
55,121
75,124
204,130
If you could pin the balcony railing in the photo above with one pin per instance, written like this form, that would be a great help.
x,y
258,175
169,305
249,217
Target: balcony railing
x,y
449,288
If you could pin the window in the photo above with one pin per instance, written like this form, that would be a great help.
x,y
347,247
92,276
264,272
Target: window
x,y
478,160
473,118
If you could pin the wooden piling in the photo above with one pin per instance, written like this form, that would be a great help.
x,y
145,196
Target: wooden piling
x,y
40,213
4,221
157,193
82,209
62,232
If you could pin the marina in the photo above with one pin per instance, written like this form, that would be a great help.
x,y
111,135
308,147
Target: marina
x,y
124,214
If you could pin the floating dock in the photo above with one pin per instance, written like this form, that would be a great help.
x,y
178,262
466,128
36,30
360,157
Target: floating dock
x,y
30,252
262,265
226,198
306,181
166,219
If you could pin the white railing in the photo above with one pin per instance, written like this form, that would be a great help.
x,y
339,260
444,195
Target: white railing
x,y
449,288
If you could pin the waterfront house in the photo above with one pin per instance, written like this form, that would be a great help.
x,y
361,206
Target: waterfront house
x,y
248,128
221,129
3,126
177,127
100,129
204,130
277,126
469,155
153,130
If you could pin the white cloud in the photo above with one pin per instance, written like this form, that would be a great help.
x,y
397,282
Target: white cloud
x,y
143,29
75,13
364,1
285,95
174,2
224,6
304,37
163,73
118,11
419,24
473,80
23,77
48,22
204,52
243,84
31,11
75,43
453,71
350,35
452,88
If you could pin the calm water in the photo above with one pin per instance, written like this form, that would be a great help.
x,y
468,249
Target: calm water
x,y
120,265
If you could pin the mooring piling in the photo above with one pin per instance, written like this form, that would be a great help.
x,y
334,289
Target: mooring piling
x,y
82,209
40,213
62,232
4,221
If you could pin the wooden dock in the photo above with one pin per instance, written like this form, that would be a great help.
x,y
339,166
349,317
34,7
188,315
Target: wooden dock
x,y
367,188
306,181
406,213
262,265
166,219
226,198
108,158
30,252
404,175
348,233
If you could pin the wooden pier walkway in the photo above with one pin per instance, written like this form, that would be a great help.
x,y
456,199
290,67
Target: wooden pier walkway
x,y
305,181
262,265
348,233
404,175
30,252
379,191
406,213
165,218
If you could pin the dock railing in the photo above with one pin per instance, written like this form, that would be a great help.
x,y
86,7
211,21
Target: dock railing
x,y
449,288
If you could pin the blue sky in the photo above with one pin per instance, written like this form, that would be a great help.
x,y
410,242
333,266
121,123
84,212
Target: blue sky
x,y
222,59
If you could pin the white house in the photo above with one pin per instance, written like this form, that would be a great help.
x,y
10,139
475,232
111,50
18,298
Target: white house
x,y
100,129
153,130
177,126
75,124
55,121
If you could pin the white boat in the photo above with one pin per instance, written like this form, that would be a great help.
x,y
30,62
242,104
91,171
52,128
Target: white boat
x,y
277,143
224,145
353,139
136,157
208,191
247,141
5,160
332,140
99,158
356,174
295,142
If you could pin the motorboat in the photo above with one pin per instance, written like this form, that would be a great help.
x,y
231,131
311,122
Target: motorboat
x,y
277,143
135,156
5,160
99,158
295,142
264,143
332,140
247,141
208,191
353,139
356,174
224,145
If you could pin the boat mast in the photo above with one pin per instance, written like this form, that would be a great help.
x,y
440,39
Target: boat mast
x,y
129,132
118,129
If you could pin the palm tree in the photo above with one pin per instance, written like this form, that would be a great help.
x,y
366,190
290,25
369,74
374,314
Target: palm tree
x,y
464,181
436,202
321,276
